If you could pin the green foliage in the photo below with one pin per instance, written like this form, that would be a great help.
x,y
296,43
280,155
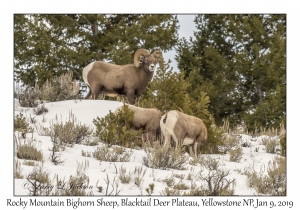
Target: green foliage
x,y
240,62
46,45
115,128
21,125
164,157
114,154
169,91
214,137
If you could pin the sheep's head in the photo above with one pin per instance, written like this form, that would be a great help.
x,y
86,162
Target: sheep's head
x,y
143,58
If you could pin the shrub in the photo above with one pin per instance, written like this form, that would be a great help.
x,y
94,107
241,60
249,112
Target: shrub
x,y
164,157
29,163
215,181
236,154
214,137
28,97
114,184
271,145
179,176
37,178
18,170
77,185
150,189
21,125
228,142
123,176
40,109
115,128
29,151
68,133
139,174
170,192
55,150
58,89
272,183
86,154
170,181
180,186
113,154
283,145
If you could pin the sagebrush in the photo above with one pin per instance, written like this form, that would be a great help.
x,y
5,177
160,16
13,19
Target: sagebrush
x,y
164,157
116,129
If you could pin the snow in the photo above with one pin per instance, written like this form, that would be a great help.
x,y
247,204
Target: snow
x,y
87,110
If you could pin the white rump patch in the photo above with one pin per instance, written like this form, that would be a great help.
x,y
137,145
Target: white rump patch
x,y
167,128
187,141
85,72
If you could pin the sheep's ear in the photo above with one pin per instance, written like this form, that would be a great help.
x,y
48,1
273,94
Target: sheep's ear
x,y
141,58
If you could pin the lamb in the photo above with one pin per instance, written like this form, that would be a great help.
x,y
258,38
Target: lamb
x,y
127,80
146,119
183,129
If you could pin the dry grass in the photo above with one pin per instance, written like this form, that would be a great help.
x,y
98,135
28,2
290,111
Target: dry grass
x,y
113,154
164,157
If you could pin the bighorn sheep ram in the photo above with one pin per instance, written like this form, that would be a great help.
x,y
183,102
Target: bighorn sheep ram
x,y
127,80
183,129
146,119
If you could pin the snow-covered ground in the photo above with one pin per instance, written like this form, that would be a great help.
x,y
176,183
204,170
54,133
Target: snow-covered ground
x,y
87,110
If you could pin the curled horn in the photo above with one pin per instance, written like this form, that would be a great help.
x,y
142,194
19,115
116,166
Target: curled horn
x,y
139,56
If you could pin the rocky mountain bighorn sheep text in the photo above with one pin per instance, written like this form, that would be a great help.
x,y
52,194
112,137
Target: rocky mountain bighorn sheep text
x,y
146,119
127,80
183,129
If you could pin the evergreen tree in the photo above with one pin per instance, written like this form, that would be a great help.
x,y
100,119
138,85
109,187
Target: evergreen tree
x,y
47,45
168,91
241,61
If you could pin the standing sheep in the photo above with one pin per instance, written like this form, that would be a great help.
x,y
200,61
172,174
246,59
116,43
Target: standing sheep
x,y
146,119
127,80
183,129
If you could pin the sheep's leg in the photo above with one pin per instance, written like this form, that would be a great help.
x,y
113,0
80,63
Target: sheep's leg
x,y
167,139
177,143
195,149
96,92
131,97
191,150
89,94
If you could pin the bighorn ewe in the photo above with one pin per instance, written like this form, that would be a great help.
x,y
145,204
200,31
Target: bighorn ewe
x,y
146,119
183,129
127,80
